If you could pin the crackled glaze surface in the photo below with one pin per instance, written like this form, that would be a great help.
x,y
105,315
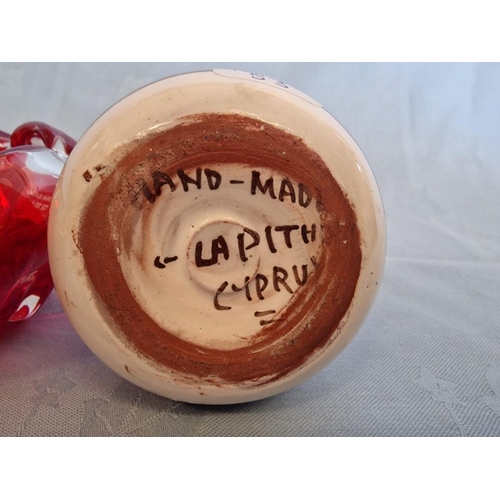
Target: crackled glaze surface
x,y
216,240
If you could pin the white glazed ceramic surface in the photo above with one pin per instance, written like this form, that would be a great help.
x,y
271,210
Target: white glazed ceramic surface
x,y
212,263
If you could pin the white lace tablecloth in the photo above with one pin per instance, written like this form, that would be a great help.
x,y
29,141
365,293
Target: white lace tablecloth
x,y
426,361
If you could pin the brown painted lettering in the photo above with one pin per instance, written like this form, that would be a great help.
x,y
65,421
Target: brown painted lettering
x,y
217,305
286,233
257,184
219,246
305,196
280,276
186,180
214,179
286,190
241,242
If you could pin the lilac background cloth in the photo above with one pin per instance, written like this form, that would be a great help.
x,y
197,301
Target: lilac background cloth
x,y
427,360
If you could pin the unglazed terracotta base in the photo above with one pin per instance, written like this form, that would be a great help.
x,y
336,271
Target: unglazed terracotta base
x,y
216,237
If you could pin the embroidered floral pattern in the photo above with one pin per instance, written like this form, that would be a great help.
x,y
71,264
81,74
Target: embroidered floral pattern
x,y
47,393
493,400
443,392
133,411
